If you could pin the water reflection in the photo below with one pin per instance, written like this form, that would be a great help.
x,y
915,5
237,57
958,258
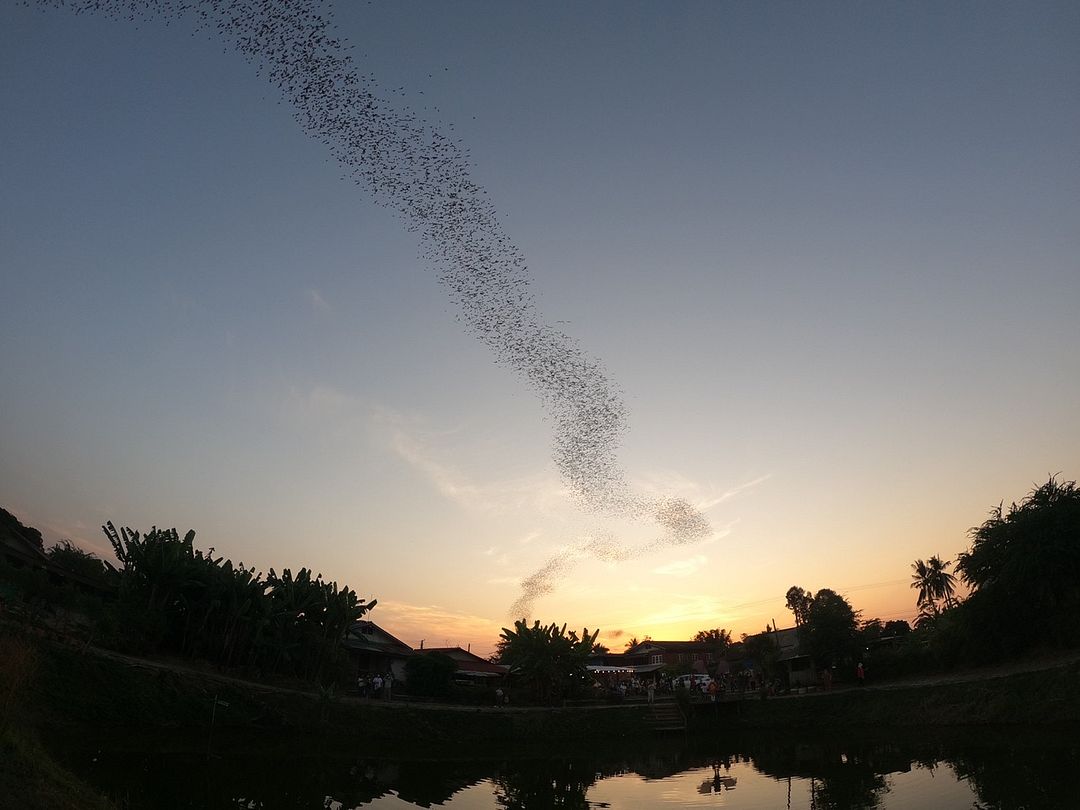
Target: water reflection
x,y
1001,770
536,783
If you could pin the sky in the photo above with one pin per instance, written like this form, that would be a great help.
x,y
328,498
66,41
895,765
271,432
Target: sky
x,y
826,253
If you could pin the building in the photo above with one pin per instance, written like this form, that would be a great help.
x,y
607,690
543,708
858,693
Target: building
x,y
471,668
700,656
645,659
373,651
797,666
20,546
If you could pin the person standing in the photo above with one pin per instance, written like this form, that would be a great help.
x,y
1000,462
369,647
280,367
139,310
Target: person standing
x,y
650,690
860,674
376,687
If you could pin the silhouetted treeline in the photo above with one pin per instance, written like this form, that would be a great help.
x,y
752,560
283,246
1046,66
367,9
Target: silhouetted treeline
x,y
1023,572
179,599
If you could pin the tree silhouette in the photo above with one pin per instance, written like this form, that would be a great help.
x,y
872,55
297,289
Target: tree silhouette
x,y
717,638
829,630
192,603
934,583
1026,562
798,602
547,657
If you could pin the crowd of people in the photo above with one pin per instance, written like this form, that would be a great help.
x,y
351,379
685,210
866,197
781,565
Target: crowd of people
x,y
376,686
712,688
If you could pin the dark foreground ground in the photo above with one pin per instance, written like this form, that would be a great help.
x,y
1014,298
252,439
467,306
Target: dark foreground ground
x,y
75,691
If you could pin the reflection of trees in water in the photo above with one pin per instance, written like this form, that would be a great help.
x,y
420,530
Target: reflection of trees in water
x,y
1005,768
1020,776
843,776
544,783
852,789
304,784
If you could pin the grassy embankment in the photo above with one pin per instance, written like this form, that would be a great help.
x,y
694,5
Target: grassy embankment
x,y
29,776
1046,697
74,689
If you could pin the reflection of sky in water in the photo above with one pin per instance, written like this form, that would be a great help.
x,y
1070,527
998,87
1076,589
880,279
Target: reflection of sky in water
x,y
918,789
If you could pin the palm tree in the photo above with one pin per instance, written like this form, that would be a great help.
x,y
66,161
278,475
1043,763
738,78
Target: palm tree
x,y
925,619
944,582
923,579
934,583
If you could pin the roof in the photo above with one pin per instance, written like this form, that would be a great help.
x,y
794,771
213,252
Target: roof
x,y
19,541
468,662
457,653
670,646
366,635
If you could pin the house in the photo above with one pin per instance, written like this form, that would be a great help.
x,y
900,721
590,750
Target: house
x,y
701,657
374,651
797,667
698,655
471,668
649,657
20,545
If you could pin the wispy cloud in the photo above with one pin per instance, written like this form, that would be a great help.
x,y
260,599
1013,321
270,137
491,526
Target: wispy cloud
x,y
504,581
541,492
318,303
436,625
702,496
55,529
684,609
322,403
682,568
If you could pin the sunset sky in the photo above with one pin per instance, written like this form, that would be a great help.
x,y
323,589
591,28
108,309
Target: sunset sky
x,y
827,252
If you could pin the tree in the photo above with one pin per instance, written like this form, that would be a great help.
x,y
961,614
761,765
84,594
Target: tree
x,y
600,649
1024,564
944,582
934,583
633,642
430,674
717,636
870,631
66,556
718,639
548,657
921,579
189,602
798,602
896,627
829,630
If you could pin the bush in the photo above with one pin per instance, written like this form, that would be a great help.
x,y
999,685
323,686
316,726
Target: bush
x,y
430,675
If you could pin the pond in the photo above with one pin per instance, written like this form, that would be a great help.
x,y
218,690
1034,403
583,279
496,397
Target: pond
x,y
973,770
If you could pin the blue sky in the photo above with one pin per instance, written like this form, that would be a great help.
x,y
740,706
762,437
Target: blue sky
x,y
826,251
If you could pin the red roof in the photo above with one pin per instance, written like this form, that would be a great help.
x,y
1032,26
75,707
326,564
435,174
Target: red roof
x,y
467,661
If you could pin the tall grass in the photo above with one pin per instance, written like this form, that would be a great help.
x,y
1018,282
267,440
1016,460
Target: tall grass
x,y
18,662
